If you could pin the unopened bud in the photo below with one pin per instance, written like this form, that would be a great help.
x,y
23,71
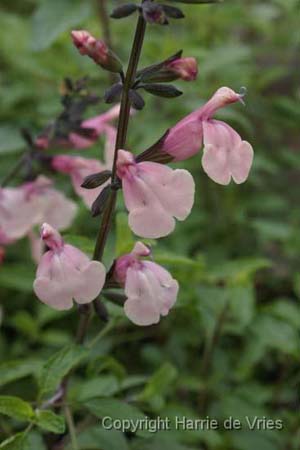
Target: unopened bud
x,y
184,68
154,13
97,50
96,179
100,202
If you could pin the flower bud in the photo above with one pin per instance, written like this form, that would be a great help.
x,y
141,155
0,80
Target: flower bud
x,y
154,13
184,68
96,50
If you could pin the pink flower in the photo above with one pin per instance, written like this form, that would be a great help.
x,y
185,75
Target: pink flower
x,y
52,205
98,126
154,194
65,273
150,289
78,168
96,50
17,214
31,204
225,155
184,68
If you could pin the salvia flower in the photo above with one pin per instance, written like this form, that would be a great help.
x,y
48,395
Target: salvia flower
x,y
96,126
79,168
154,195
100,125
52,205
65,273
30,204
225,154
151,291
96,49
17,214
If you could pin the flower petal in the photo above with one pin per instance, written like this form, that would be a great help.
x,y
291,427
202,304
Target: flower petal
x,y
240,161
219,141
92,279
175,189
184,139
140,307
50,293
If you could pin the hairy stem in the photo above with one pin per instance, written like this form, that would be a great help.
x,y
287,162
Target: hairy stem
x,y
121,135
71,427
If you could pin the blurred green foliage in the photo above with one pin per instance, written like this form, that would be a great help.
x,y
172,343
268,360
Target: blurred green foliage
x,y
231,345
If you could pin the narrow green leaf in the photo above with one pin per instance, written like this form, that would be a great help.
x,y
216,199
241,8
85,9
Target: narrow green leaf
x,y
96,438
58,366
14,370
16,442
49,421
113,408
15,407
125,241
10,140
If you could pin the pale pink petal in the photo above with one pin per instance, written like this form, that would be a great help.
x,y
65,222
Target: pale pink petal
x,y
154,194
110,143
17,213
222,97
50,293
140,307
215,164
240,160
147,217
168,287
184,139
225,154
98,123
92,279
36,246
59,211
65,274
77,141
174,188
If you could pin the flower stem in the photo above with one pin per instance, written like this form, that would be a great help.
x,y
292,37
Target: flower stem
x,y
209,350
71,427
121,134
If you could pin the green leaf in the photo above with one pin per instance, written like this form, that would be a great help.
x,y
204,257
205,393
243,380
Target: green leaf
x,y
10,140
104,386
113,408
239,271
269,229
58,366
125,240
15,407
17,277
96,438
14,370
158,385
177,260
54,17
49,421
16,442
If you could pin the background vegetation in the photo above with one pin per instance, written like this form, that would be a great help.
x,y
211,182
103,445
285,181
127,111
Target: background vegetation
x,y
231,345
